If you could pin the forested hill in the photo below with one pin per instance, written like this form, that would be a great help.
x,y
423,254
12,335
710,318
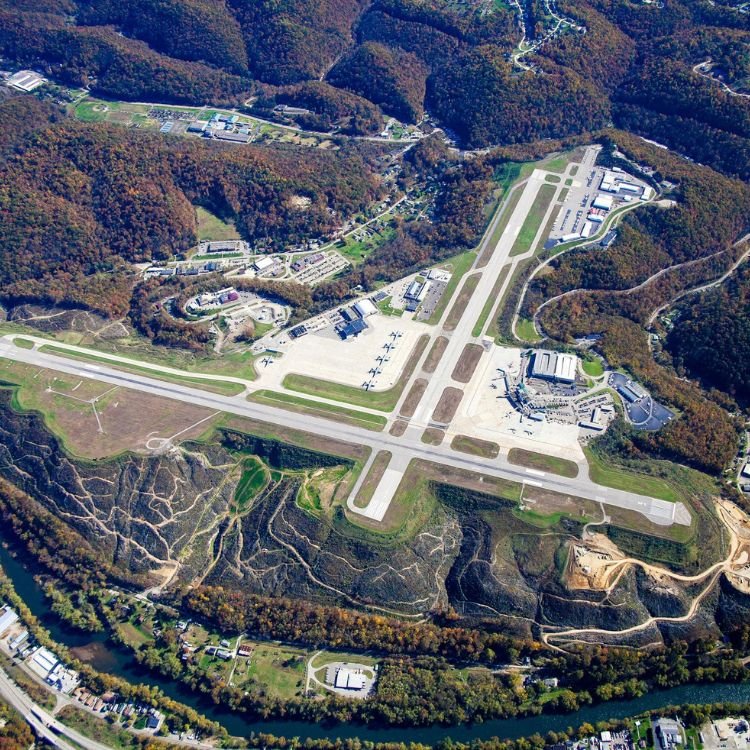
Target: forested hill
x,y
79,199
711,338
615,60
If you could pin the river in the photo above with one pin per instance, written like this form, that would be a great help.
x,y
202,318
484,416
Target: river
x,y
105,656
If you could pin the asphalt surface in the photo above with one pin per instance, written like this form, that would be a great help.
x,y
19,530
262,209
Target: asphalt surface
x,y
406,447
43,723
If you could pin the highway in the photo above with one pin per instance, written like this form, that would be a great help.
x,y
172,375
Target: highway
x,y
407,447
43,723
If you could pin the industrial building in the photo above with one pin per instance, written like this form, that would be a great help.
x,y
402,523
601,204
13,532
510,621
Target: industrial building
x,y
26,81
604,202
349,679
668,733
351,329
631,391
8,618
262,265
548,365
365,308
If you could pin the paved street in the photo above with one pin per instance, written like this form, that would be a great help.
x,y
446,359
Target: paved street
x,y
43,723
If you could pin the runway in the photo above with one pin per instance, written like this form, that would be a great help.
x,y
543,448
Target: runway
x,y
406,447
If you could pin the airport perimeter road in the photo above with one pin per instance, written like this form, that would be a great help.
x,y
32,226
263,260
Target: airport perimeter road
x,y
408,448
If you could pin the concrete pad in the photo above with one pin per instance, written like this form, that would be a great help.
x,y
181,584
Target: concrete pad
x,y
322,354
485,413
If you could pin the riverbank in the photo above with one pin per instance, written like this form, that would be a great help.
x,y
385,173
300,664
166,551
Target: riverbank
x,y
104,656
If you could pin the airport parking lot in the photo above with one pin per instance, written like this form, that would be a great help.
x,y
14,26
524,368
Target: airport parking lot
x,y
640,407
331,264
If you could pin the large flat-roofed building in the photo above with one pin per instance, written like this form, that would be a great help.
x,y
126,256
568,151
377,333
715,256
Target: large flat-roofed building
x,y
261,265
8,618
349,679
25,80
365,308
605,202
668,733
557,366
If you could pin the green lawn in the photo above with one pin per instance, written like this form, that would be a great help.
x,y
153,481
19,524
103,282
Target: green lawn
x,y
280,670
621,479
543,462
385,307
214,386
305,406
355,251
211,227
593,367
533,221
475,447
459,265
558,164
92,111
254,479
23,343
525,330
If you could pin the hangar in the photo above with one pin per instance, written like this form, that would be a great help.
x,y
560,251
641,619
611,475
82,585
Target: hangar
x,y
556,366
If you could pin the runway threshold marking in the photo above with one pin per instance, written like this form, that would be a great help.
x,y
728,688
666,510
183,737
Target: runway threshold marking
x,y
536,472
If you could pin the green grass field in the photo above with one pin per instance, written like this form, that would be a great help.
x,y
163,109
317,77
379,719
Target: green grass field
x,y
525,330
475,447
305,406
593,367
255,477
533,221
211,227
621,479
543,462
93,111
214,386
558,164
280,670
355,251
385,307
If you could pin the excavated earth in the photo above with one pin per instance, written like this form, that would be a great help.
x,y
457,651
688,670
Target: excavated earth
x,y
175,513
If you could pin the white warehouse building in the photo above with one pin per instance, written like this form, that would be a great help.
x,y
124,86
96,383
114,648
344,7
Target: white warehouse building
x,y
557,366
